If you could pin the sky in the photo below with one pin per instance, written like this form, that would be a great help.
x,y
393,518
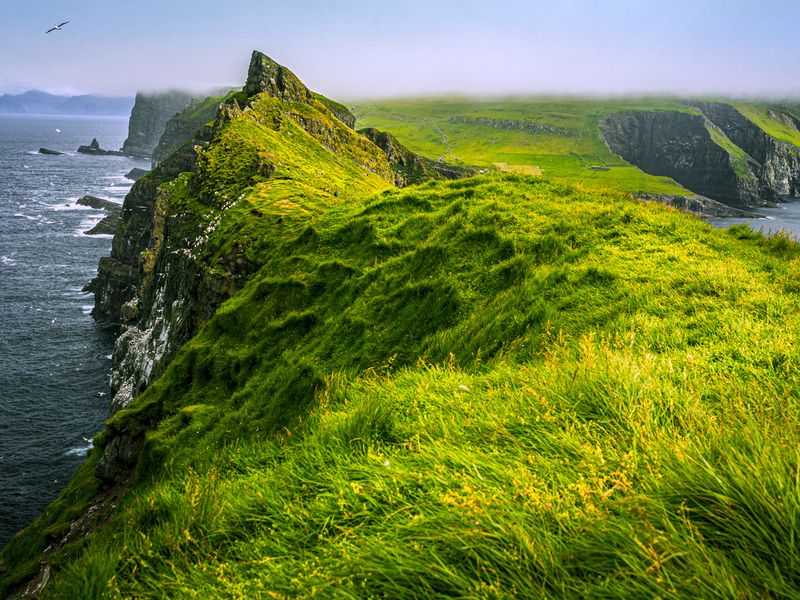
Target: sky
x,y
352,49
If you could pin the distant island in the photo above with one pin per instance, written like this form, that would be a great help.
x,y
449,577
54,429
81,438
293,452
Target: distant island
x,y
36,102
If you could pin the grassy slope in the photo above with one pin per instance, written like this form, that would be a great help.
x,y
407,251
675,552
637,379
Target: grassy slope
x,y
497,387
762,116
423,124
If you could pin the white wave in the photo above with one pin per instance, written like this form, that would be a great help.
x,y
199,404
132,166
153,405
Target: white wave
x,y
82,450
87,309
29,217
7,260
70,206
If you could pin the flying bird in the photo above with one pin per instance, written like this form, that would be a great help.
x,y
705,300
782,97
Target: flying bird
x,y
57,27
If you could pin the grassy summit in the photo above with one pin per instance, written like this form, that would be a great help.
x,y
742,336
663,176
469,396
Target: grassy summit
x,y
501,386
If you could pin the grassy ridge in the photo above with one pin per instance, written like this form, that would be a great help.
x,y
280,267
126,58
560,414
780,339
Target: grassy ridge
x,y
494,387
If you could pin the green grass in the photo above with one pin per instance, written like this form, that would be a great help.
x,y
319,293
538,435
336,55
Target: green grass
x,y
564,153
496,387
762,116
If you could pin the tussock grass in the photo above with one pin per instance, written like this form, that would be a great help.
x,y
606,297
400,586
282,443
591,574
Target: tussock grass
x,y
496,387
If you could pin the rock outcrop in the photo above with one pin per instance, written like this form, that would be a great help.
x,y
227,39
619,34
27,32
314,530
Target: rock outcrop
x,y
265,76
149,117
181,128
135,174
95,149
50,152
108,225
410,168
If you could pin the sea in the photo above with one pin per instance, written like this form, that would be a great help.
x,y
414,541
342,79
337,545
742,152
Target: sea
x,y
54,358
783,218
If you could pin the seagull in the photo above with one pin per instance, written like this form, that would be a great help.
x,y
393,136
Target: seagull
x,y
57,27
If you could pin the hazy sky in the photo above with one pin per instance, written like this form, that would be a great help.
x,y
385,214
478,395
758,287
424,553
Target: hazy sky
x,y
364,48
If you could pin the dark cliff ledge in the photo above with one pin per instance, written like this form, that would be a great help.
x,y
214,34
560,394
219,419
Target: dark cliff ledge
x,y
715,151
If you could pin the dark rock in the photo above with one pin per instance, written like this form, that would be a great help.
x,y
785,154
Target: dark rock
x,y
108,225
119,457
95,149
135,174
410,168
698,205
181,128
99,203
265,76
50,152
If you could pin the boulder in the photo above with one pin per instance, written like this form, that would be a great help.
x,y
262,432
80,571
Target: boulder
x,y
50,152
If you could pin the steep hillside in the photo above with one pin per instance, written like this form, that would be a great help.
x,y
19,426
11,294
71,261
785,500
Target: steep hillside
x,y
500,386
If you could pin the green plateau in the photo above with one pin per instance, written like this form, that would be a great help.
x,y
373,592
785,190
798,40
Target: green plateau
x,y
355,370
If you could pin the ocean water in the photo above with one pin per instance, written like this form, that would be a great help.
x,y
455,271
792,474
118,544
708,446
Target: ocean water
x,y
784,217
54,358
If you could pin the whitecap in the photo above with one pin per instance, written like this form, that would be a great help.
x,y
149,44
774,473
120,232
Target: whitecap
x,y
7,260
82,450
87,309
29,217
70,206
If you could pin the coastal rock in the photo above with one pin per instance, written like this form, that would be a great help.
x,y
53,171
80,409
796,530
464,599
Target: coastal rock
x,y
50,152
108,225
95,149
779,162
99,203
135,174
698,205
181,127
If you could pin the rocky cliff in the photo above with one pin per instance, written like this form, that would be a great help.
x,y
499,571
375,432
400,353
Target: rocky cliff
x,y
714,151
779,162
681,146
149,117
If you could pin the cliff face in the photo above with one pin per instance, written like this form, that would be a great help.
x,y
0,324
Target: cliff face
x,y
149,117
779,174
717,152
679,145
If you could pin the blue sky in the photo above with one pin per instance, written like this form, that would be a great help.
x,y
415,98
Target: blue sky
x,y
357,48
